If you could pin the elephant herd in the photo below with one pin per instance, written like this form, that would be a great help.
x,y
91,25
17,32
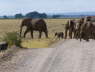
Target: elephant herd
x,y
83,28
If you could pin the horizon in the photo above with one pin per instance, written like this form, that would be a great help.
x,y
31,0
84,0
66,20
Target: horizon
x,y
10,7
62,13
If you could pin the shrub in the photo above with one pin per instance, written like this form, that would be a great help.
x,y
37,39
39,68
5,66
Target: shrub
x,y
12,38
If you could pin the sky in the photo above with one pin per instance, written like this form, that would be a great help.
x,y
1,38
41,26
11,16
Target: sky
x,y
11,7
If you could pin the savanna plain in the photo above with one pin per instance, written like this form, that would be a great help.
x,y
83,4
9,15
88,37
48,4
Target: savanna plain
x,y
13,25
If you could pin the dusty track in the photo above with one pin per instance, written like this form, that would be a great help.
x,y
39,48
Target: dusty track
x,y
66,56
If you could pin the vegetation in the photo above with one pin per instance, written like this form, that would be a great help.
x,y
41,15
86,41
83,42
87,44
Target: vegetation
x,y
13,26
56,16
5,17
12,38
35,15
18,16
39,43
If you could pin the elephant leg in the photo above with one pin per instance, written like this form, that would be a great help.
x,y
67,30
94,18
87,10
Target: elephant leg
x,y
40,34
20,31
46,34
80,36
66,33
32,34
70,34
62,36
27,30
75,33
87,37
94,36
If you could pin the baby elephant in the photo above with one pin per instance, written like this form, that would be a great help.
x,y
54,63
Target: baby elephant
x,y
59,35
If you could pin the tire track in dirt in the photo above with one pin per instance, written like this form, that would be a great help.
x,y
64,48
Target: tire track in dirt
x,y
65,56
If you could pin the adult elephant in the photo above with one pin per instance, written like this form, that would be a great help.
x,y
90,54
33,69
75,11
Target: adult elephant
x,y
86,31
34,25
69,27
77,27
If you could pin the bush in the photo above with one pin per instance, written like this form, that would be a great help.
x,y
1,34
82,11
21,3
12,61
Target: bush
x,y
12,38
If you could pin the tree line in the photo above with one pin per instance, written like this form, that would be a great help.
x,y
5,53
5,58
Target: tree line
x,y
33,14
36,14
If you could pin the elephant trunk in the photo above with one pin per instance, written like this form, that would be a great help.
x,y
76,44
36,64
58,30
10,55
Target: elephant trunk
x,y
21,30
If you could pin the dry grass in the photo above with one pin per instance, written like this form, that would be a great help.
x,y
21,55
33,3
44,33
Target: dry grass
x,y
54,25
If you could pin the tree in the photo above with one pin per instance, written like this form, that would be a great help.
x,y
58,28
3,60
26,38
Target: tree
x,y
5,17
35,14
56,16
43,15
32,15
19,16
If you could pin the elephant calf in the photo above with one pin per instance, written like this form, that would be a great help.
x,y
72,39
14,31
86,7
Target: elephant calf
x,y
59,35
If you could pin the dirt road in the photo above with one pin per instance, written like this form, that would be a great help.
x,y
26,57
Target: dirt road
x,y
67,56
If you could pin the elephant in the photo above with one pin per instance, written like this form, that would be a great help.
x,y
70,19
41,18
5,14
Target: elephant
x,y
84,28
73,27
34,25
69,27
84,32
87,30
59,35
88,18
91,28
77,27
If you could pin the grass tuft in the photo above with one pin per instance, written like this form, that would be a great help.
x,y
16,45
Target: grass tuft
x,y
12,38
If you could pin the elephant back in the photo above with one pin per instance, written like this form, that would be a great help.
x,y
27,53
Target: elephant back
x,y
39,24
33,21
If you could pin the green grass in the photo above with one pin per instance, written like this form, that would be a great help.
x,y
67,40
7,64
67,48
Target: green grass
x,y
39,43
12,38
